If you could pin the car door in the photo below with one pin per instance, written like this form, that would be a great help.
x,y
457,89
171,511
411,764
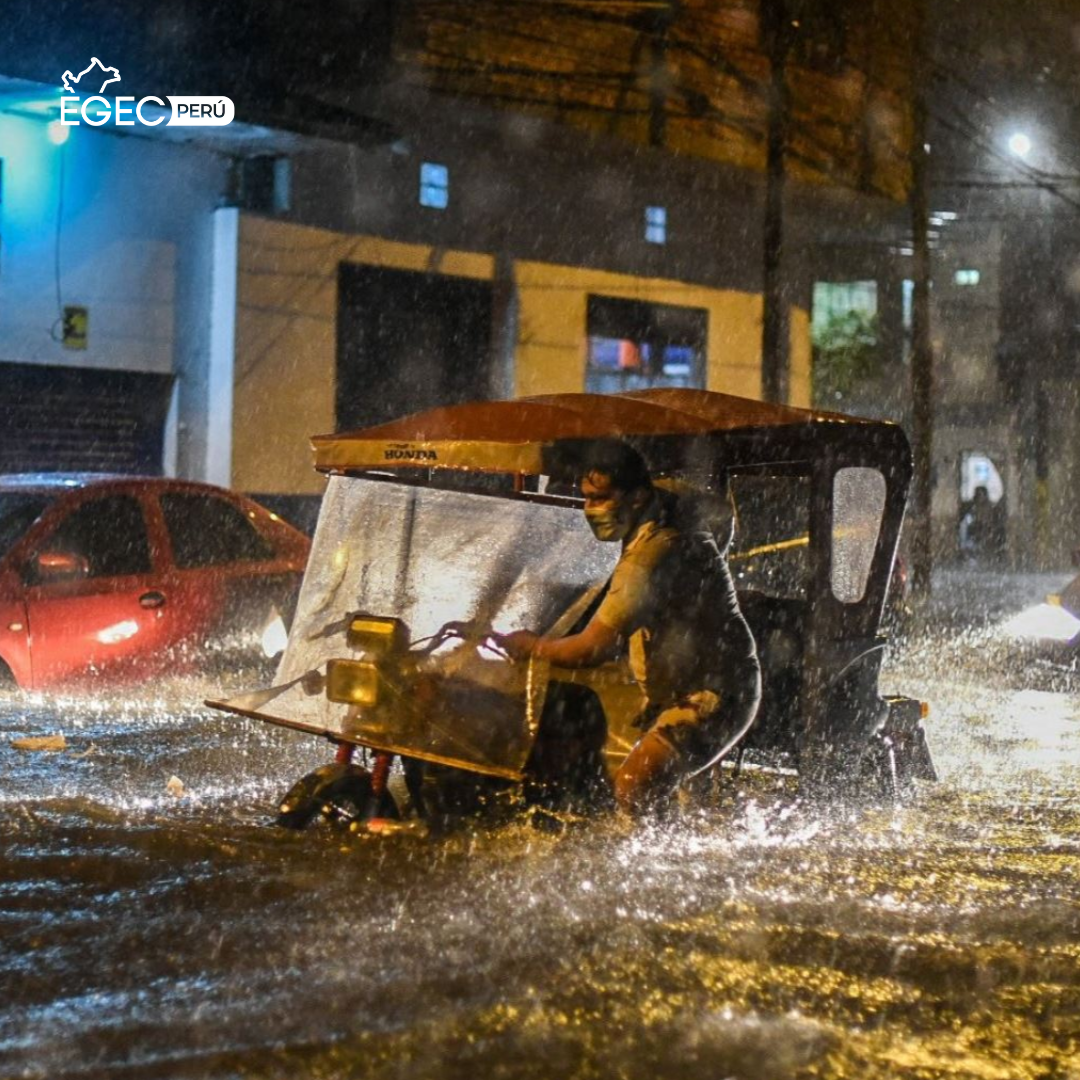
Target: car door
x,y
228,577
94,598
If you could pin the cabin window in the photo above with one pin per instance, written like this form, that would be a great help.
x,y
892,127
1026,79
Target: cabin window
x,y
858,508
770,551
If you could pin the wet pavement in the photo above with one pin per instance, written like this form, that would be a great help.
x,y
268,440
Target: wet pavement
x,y
152,925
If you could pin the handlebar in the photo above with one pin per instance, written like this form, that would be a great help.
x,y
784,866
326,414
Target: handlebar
x,y
459,630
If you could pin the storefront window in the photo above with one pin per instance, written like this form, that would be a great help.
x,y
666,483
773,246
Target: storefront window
x,y
636,346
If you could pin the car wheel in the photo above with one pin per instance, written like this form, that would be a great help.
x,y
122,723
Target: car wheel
x,y
7,679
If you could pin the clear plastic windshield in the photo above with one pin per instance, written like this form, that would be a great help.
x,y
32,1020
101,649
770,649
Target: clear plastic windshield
x,y
430,557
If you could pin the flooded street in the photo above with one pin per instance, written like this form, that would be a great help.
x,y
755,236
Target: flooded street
x,y
154,926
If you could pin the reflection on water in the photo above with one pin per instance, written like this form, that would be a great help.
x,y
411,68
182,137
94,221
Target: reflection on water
x,y
154,931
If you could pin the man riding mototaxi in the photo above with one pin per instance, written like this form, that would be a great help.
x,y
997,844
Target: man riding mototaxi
x,y
672,600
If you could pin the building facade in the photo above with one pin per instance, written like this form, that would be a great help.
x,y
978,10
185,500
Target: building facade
x,y
256,291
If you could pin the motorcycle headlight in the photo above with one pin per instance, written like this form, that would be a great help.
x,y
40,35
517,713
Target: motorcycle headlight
x,y
375,636
352,682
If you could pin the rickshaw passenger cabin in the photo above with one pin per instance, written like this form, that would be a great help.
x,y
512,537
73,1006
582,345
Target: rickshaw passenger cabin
x,y
818,501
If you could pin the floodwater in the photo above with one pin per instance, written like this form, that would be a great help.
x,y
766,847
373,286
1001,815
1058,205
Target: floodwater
x,y
152,925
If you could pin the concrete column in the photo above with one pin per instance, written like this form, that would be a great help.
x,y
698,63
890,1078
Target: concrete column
x,y
504,327
170,454
205,345
1063,474
222,357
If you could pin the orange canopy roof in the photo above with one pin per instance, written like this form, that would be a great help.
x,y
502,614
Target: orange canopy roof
x,y
510,436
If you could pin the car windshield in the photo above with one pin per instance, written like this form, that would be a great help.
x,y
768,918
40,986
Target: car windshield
x,y
18,511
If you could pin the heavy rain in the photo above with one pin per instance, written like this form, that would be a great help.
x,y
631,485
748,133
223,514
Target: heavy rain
x,y
156,925
334,343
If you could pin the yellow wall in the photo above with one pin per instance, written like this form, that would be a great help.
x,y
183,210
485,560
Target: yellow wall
x,y
551,326
286,347
800,391
286,344
551,329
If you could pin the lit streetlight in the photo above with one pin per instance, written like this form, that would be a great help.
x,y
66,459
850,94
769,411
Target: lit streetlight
x,y
1019,144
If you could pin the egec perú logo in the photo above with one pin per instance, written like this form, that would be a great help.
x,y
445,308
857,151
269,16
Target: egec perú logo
x,y
126,111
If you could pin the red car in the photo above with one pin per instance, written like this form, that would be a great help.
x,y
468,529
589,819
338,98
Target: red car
x,y
125,577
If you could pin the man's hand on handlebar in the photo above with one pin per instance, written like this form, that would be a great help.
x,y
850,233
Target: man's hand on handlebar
x,y
518,645
588,648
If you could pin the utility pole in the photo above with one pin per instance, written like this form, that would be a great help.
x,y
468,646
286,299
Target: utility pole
x,y
659,23
775,322
922,353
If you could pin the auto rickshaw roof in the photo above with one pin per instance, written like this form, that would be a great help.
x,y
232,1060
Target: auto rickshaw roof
x,y
518,436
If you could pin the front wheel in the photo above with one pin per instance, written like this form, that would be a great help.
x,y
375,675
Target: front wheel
x,y
341,792
353,802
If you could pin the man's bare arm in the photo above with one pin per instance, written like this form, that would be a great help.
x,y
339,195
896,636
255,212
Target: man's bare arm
x,y
592,646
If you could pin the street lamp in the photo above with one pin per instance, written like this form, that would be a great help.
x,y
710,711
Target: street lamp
x,y
1019,144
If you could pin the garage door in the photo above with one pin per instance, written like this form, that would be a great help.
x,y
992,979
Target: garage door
x,y
66,419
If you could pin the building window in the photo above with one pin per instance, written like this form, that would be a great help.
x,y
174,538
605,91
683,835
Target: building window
x,y
434,185
966,276
844,336
836,299
656,224
635,346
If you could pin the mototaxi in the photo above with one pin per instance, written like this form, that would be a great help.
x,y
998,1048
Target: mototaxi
x,y
440,527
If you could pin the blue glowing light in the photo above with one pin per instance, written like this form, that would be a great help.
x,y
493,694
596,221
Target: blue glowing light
x,y
58,132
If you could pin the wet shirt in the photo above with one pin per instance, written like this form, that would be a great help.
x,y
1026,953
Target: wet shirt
x,y
672,597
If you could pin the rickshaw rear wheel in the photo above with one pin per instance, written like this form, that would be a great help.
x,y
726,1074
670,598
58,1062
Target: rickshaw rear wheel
x,y
872,776
878,777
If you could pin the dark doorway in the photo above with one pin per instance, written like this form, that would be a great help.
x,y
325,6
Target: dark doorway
x,y
408,341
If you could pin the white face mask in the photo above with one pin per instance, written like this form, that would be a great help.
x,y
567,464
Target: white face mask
x,y
611,523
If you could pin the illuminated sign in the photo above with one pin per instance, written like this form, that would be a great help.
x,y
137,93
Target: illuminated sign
x,y
76,327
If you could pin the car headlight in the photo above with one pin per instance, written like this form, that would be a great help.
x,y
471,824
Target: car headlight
x,y
274,636
1044,622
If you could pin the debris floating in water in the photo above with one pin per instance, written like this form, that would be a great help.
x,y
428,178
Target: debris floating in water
x,y
40,742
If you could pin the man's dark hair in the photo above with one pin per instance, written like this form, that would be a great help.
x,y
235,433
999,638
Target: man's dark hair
x,y
620,462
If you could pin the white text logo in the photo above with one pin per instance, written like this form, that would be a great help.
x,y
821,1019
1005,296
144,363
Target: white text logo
x,y
172,110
